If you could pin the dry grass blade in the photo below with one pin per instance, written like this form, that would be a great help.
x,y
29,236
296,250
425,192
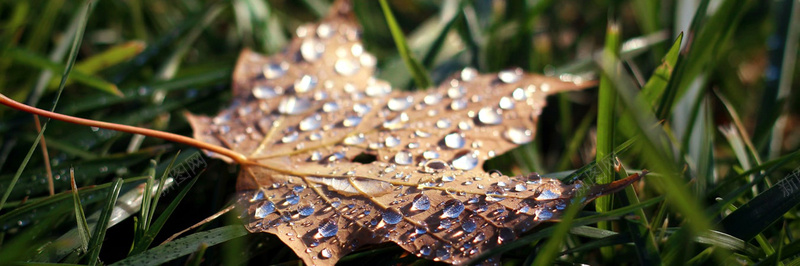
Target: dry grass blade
x,y
337,160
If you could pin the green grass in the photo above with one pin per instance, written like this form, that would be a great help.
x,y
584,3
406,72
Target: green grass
x,y
709,111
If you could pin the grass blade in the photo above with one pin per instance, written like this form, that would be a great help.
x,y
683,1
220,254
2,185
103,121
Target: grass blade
x,y
655,86
436,46
197,257
70,62
184,246
110,57
419,73
763,210
80,217
22,56
102,225
145,241
606,123
160,189
526,240
552,247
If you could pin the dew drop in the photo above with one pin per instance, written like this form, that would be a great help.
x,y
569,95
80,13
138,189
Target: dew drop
x,y
310,123
442,254
468,74
432,99
404,158
509,76
315,156
367,60
327,228
479,238
311,49
351,121
445,224
454,140
519,94
520,187
324,30
548,194
425,250
346,67
292,199
361,108
456,92
305,83
452,208
421,229
396,123
495,194
306,211
464,125
466,161
290,137
434,166
258,196
379,88
264,92
400,103
448,178
354,139
518,135
264,209
336,156
335,202
443,123
274,70
489,116
458,104
293,105
392,216
430,155
506,103
421,202
330,107
325,253
392,141
469,225
524,209
543,215
422,134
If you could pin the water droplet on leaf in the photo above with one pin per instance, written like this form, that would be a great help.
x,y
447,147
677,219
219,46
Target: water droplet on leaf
x,y
264,209
404,158
327,228
293,105
454,140
452,208
489,116
518,135
421,202
392,216
466,161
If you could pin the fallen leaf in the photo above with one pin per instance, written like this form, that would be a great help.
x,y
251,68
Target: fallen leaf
x,y
336,159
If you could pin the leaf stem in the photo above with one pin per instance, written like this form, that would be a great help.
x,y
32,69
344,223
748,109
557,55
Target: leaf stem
x,y
238,157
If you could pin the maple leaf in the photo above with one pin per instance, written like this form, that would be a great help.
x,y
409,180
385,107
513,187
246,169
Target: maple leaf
x,y
335,159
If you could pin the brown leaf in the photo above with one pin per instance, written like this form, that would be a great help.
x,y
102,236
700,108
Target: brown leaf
x,y
337,160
